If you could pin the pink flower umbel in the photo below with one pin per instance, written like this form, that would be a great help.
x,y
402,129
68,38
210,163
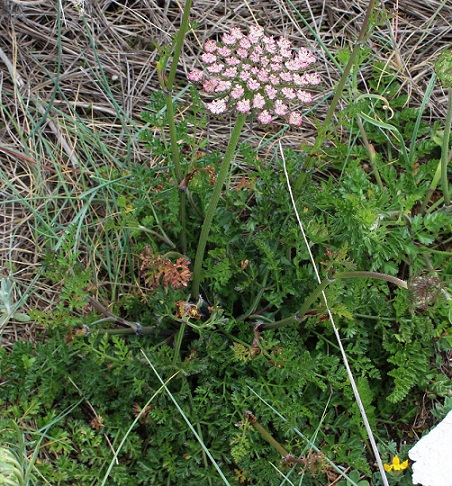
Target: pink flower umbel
x,y
256,73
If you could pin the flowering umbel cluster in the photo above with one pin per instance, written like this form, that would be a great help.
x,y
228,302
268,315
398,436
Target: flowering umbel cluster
x,y
159,270
256,73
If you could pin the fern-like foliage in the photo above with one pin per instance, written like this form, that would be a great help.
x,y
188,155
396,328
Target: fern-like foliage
x,y
410,367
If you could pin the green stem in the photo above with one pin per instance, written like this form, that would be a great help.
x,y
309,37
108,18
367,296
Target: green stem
x,y
441,170
340,86
173,137
432,188
122,331
372,155
320,140
178,43
301,313
224,169
256,299
177,169
377,275
183,222
348,67
445,151
167,86
266,434
178,342
376,318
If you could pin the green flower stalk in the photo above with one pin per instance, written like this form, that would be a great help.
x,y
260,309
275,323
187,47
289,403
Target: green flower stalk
x,y
252,74
214,199
443,67
301,314
321,137
167,84
266,434
340,87
178,43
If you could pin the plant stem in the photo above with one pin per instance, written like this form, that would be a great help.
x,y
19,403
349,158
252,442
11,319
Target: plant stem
x,y
178,43
173,137
123,331
300,314
372,154
445,151
320,140
441,170
224,169
167,86
377,275
431,189
341,84
177,169
268,437
178,343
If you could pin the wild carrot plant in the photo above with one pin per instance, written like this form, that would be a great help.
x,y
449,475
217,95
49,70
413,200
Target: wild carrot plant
x,y
207,354
251,74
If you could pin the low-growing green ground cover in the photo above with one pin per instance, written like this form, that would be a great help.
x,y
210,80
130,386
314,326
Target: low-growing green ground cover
x,y
180,332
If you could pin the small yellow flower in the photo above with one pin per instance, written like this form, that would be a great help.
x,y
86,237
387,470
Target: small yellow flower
x,y
396,465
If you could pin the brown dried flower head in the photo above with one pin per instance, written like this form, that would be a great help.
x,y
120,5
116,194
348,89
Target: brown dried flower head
x,y
159,270
423,290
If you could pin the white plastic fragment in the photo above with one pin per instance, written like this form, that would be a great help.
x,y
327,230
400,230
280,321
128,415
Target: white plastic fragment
x,y
433,456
